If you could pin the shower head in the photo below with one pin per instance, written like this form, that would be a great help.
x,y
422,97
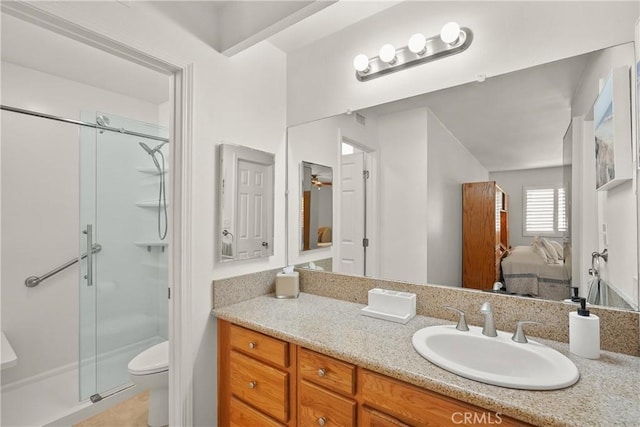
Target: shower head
x,y
103,120
152,153
149,150
146,148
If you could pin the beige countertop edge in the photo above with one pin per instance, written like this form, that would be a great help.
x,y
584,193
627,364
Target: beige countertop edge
x,y
498,399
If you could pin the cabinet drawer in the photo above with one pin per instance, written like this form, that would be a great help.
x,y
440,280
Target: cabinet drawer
x,y
261,385
319,407
420,407
243,415
260,346
327,371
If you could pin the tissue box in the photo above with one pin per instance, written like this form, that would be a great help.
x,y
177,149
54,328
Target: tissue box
x,y
287,285
399,307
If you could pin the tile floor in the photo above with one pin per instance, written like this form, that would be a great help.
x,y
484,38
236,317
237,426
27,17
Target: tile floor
x,y
130,413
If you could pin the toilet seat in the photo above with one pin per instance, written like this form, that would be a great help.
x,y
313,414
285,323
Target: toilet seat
x,y
151,361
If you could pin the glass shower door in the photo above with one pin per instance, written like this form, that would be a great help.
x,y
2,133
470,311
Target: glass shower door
x,y
124,306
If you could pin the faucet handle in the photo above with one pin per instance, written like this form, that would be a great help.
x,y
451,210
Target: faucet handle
x,y
518,335
462,322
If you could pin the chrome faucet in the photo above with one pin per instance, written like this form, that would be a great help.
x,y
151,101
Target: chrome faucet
x,y
489,328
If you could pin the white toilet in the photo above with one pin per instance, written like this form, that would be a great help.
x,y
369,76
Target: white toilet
x,y
150,370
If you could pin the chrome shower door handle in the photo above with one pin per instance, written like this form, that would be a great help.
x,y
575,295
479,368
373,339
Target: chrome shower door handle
x,y
89,233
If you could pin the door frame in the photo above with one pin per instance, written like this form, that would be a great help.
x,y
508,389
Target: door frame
x,y
181,361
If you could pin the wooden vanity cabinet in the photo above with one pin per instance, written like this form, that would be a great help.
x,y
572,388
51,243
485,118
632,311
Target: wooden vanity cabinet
x,y
263,381
256,378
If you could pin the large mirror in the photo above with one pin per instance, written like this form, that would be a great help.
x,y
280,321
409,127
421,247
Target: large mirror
x,y
510,131
245,201
316,206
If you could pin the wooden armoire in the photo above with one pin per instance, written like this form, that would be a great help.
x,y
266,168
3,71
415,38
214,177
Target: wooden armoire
x,y
485,233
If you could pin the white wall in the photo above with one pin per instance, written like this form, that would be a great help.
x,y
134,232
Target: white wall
x,y
617,207
403,195
40,223
449,165
238,100
513,182
508,36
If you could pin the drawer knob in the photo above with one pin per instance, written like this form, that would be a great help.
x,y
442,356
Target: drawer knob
x,y
321,373
252,345
322,421
252,385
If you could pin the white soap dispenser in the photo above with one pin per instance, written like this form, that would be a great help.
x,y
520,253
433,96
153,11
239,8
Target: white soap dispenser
x,y
584,332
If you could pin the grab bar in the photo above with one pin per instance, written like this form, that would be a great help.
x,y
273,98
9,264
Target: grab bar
x,y
33,281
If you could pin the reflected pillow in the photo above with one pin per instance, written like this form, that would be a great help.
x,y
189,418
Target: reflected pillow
x,y
558,247
545,250
324,235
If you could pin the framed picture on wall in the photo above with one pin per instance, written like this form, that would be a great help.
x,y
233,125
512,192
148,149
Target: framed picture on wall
x,y
612,121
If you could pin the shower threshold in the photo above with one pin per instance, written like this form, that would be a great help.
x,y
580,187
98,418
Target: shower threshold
x,y
52,400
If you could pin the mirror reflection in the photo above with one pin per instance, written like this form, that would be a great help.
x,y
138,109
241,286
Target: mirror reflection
x,y
406,223
316,206
245,203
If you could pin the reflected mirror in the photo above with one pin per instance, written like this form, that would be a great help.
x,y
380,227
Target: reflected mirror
x,y
245,203
316,206
406,223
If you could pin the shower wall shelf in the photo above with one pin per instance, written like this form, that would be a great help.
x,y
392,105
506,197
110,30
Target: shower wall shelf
x,y
148,204
152,171
149,244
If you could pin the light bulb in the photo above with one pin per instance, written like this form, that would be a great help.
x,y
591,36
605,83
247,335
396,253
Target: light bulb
x,y
450,32
387,54
418,44
361,63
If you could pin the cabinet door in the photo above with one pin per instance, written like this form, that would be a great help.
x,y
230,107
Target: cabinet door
x,y
328,372
423,408
320,407
263,386
373,418
243,415
259,346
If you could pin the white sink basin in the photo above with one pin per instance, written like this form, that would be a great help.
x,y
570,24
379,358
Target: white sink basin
x,y
498,361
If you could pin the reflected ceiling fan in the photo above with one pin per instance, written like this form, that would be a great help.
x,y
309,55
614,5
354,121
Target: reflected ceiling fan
x,y
318,182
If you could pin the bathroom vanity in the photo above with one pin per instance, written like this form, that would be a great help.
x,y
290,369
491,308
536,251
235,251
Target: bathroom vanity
x,y
317,361
270,382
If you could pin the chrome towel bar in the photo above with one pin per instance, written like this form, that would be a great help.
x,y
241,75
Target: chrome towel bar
x,y
33,281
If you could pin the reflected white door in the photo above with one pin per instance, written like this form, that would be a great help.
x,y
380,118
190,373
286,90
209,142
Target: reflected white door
x,y
252,202
352,213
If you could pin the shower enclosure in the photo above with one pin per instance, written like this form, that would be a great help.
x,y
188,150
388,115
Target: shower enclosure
x,y
123,288
85,191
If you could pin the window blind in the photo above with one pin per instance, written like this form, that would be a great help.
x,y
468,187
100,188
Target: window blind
x,y
545,211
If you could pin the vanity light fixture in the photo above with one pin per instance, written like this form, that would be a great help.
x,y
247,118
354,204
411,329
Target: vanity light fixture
x,y
388,54
451,40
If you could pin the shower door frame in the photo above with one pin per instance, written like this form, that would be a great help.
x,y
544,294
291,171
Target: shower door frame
x,y
180,237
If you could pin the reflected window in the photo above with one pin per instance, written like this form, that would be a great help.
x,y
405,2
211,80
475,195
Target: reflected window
x,y
545,211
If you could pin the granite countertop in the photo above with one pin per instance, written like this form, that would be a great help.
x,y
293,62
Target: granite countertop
x,y
608,392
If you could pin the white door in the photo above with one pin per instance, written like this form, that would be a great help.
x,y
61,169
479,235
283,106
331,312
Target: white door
x,y
252,202
352,219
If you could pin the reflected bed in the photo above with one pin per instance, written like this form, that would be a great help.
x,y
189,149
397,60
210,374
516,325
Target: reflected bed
x,y
526,272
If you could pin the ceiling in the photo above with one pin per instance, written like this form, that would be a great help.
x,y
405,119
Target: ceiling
x,y
327,21
33,47
508,122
